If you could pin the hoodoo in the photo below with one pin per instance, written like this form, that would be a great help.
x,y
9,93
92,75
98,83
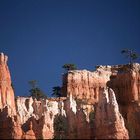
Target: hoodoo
x,y
95,105
7,97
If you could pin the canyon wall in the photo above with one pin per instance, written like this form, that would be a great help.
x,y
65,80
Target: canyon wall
x,y
123,80
103,104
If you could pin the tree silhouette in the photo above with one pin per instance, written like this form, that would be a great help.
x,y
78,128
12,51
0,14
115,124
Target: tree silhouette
x,y
68,67
36,92
56,91
130,54
33,83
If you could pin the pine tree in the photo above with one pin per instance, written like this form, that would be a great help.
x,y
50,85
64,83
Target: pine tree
x,y
56,91
36,92
130,54
68,67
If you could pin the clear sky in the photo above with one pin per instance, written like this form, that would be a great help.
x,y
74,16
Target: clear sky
x,y
39,36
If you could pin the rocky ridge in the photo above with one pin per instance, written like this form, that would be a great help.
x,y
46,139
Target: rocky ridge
x,y
99,104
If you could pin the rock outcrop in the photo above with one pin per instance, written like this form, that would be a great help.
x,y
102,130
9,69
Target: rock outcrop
x,y
84,84
51,118
104,104
126,85
124,80
7,97
109,121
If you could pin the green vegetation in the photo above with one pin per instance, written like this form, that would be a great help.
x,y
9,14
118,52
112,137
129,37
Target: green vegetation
x,y
56,91
68,67
92,117
130,54
36,92
60,127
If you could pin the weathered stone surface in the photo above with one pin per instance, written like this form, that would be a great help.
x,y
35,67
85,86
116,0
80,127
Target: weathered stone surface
x,y
100,104
133,120
7,100
38,115
85,84
6,90
64,118
77,114
109,122
126,85
123,79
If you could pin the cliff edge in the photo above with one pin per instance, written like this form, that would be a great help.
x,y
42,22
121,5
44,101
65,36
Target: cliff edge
x,y
103,104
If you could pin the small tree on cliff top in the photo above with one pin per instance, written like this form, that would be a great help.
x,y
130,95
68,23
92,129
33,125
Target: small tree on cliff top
x,y
36,92
56,91
68,67
130,54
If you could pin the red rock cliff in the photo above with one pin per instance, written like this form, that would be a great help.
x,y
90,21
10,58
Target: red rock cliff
x,y
7,97
126,85
124,80
109,122
99,104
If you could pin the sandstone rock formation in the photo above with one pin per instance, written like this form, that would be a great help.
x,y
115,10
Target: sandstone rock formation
x,y
123,79
100,104
84,84
126,85
109,121
53,118
6,90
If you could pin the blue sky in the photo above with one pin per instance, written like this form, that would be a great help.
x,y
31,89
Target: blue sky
x,y
39,36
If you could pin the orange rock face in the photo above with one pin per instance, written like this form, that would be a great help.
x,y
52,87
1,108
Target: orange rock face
x,y
109,122
85,85
7,100
100,104
6,91
125,82
126,85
